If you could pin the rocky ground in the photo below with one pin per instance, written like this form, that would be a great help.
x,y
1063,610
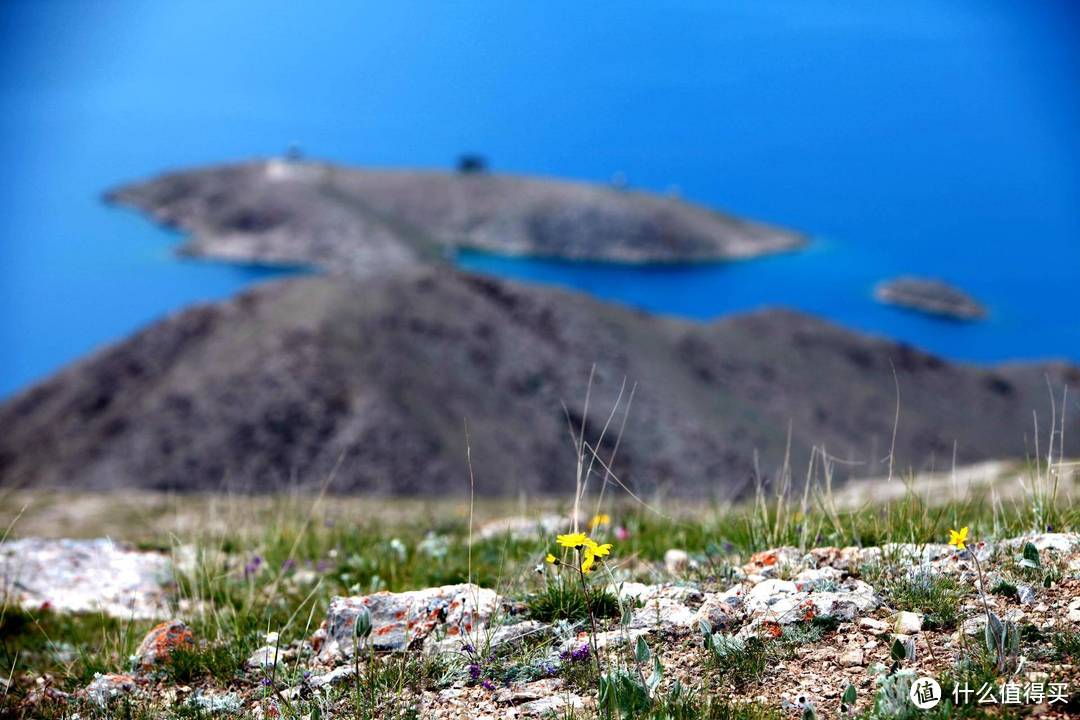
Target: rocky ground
x,y
779,632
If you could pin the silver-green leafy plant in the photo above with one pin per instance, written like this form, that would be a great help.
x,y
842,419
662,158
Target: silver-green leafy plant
x,y
720,644
847,701
1003,643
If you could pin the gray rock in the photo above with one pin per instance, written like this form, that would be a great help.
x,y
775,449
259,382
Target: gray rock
x,y
332,678
104,688
718,613
553,704
852,657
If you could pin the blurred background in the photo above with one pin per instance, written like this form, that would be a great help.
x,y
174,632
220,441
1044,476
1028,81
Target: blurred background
x,y
935,138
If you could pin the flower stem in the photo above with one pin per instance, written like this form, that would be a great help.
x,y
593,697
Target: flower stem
x,y
592,622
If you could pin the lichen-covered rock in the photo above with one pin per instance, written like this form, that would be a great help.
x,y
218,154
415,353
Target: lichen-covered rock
x,y
104,688
160,642
771,563
90,576
407,619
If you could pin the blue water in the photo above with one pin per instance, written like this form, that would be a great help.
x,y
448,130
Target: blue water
x,y
938,138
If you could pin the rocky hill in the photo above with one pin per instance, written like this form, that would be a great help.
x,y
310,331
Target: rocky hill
x,y
376,376
362,220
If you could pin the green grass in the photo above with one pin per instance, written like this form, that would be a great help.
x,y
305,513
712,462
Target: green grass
x,y
69,647
564,600
744,662
1066,646
937,597
222,661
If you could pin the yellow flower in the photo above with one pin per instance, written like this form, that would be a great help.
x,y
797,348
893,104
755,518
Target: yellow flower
x,y
589,548
598,520
573,540
958,539
550,559
593,551
600,550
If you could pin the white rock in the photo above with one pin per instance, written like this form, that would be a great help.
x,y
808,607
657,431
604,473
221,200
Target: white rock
x,y
523,527
265,657
1058,542
874,625
769,592
553,704
662,614
907,623
86,576
676,561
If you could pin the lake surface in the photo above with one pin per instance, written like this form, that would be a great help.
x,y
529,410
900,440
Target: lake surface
x,y
923,137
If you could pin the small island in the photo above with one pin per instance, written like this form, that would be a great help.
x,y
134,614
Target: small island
x,y
354,220
930,296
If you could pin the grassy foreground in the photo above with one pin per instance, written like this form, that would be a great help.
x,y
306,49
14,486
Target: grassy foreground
x,y
253,566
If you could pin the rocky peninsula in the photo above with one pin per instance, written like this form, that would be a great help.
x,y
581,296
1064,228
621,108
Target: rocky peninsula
x,y
930,296
355,220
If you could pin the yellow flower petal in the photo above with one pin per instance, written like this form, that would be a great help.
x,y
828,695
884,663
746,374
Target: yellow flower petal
x,y
598,520
588,562
958,539
550,559
572,540
601,550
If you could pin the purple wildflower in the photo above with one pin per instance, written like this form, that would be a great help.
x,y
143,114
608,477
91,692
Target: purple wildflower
x,y
253,566
288,565
574,656
474,671
266,682
487,685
